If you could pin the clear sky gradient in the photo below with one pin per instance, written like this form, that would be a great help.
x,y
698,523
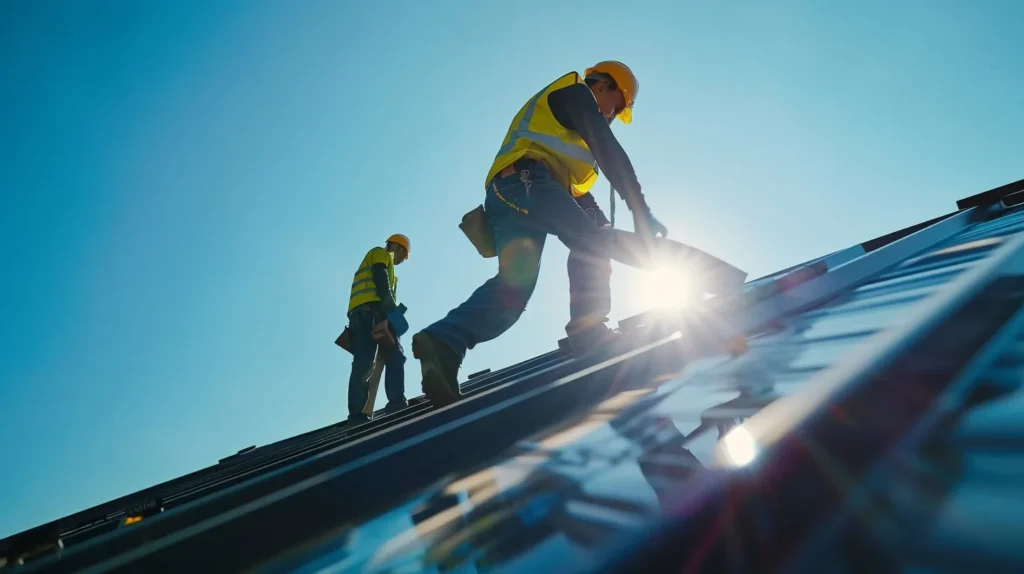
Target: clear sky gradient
x,y
187,187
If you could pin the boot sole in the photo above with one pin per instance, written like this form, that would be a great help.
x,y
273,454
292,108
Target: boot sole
x,y
434,384
611,347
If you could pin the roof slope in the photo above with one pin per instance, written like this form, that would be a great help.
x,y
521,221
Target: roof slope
x,y
597,461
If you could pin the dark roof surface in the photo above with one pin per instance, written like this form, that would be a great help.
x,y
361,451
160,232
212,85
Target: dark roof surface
x,y
597,462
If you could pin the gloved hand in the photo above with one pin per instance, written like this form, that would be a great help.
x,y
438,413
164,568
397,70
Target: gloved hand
x,y
657,227
396,321
647,226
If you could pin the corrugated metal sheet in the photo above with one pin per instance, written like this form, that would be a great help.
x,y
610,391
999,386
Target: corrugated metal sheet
x,y
561,463
552,502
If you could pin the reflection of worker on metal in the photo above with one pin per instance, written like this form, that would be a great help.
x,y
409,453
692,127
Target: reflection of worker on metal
x,y
538,185
474,521
372,337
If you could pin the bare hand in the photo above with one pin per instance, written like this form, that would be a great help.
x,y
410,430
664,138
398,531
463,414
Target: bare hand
x,y
382,333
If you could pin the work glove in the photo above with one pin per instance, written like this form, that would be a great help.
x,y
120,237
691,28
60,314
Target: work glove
x,y
657,227
647,226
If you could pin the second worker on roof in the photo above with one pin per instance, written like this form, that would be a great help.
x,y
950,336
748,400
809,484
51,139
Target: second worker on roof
x,y
372,300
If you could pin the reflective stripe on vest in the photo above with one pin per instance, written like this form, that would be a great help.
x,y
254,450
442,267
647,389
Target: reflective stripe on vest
x,y
364,290
569,150
536,134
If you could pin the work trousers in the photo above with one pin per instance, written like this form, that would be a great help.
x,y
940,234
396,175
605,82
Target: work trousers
x,y
361,322
522,210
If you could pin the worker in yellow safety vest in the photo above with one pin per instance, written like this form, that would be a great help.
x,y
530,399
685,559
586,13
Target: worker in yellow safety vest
x,y
373,296
538,185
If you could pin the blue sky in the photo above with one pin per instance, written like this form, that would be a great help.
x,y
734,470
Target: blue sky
x,y
188,186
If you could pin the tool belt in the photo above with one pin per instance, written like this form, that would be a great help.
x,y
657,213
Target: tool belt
x,y
344,340
474,224
397,323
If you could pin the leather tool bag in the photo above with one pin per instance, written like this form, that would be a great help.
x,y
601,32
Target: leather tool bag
x,y
474,225
344,340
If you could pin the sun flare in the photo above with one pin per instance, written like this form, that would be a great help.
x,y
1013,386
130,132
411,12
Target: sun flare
x,y
666,287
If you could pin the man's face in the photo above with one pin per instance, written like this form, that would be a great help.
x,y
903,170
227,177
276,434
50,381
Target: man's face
x,y
611,101
400,254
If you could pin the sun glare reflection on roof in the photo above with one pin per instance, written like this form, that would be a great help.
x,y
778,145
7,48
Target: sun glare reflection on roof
x,y
739,447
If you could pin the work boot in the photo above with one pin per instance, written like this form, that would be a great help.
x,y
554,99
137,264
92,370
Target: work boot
x,y
440,367
585,341
361,419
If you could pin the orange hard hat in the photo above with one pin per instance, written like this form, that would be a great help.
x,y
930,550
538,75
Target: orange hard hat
x,y
624,80
401,240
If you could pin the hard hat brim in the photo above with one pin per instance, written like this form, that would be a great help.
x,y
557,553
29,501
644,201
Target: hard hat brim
x,y
402,240
627,84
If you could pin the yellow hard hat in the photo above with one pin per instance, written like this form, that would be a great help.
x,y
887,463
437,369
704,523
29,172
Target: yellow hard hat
x,y
401,240
624,80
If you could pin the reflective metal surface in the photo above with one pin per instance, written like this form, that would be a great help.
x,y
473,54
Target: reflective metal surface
x,y
556,464
552,503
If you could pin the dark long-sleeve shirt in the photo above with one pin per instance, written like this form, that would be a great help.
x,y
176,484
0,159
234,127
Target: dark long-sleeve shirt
x,y
380,281
589,204
574,107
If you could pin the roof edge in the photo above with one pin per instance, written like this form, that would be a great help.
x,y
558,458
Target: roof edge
x,y
991,196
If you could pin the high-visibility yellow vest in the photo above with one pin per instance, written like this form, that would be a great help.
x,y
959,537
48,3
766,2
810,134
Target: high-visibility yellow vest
x,y
536,134
364,290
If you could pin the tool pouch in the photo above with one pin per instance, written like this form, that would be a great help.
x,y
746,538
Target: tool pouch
x,y
474,225
344,340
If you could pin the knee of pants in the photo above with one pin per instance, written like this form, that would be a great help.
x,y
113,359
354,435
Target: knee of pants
x,y
357,380
595,243
361,364
516,280
514,297
589,265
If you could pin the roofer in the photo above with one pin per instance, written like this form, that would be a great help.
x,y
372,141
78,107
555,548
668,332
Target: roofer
x,y
373,297
538,185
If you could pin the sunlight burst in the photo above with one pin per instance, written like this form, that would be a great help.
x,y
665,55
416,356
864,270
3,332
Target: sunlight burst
x,y
666,287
